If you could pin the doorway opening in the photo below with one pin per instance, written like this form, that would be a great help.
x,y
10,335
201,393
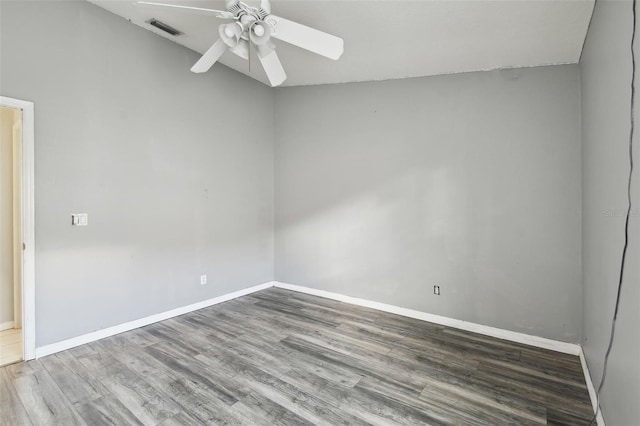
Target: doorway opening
x,y
17,326
10,236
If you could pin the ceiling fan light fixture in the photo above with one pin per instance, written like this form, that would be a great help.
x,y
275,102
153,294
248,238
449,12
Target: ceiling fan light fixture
x,y
230,33
260,33
258,30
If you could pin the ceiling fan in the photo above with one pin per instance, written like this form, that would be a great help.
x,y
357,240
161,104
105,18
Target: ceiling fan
x,y
257,26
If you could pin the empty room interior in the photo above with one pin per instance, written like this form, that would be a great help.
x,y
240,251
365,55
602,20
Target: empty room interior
x,y
355,212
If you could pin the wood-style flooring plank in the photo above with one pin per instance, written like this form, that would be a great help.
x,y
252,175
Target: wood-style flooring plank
x,y
77,384
44,400
12,412
10,346
146,403
107,410
277,357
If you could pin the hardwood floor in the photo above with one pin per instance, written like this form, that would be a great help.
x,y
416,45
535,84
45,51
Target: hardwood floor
x,y
282,358
10,346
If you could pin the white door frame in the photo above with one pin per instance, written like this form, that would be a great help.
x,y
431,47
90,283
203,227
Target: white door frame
x,y
28,225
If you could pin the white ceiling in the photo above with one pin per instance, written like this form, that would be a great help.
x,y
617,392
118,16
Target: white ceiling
x,y
391,39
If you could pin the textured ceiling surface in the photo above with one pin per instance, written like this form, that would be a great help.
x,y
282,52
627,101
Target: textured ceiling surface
x,y
391,39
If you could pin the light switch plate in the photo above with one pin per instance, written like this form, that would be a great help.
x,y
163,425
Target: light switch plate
x,y
79,219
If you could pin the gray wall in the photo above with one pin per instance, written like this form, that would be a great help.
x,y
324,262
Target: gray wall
x,y
468,181
606,78
175,179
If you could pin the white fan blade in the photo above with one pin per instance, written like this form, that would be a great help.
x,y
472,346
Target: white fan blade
x,y
241,49
188,9
210,57
273,68
307,38
265,5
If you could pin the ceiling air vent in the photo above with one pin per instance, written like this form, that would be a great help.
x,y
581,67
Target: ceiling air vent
x,y
164,27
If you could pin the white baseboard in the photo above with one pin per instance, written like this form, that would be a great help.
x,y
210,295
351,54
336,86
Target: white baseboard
x,y
541,342
591,388
513,336
6,325
121,328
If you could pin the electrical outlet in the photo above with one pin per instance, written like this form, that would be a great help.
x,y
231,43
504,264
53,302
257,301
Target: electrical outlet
x,y
203,279
436,290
